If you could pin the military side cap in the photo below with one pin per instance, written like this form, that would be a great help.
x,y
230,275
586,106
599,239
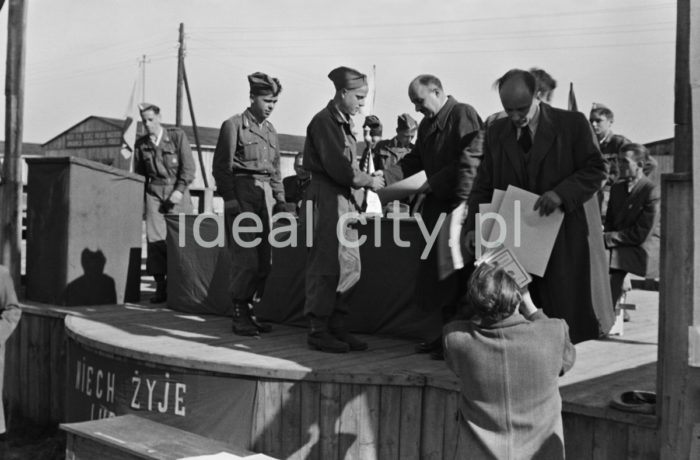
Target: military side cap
x,y
598,105
405,122
375,126
148,106
263,85
347,78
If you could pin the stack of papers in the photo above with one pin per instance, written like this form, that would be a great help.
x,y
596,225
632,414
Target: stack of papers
x,y
510,220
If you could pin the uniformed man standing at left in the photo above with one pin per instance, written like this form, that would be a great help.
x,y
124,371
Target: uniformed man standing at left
x,y
246,168
164,156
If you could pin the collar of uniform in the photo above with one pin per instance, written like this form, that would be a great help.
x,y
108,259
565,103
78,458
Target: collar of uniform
x,y
249,121
339,116
606,139
163,136
444,112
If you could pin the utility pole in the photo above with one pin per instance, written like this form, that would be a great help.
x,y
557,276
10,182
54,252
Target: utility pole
x,y
142,64
180,72
11,188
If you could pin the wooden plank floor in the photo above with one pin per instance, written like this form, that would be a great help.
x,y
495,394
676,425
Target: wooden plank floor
x,y
603,367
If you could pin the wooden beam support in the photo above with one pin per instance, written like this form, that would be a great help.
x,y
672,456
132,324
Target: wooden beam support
x,y
11,188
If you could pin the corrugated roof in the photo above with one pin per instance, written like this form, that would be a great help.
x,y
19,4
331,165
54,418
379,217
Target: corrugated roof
x,y
207,135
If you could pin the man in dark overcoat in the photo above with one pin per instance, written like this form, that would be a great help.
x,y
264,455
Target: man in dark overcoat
x,y
552,152
447,148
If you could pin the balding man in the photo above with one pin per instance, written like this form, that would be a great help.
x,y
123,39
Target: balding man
x,y
331,158
447,149
246,168
552,153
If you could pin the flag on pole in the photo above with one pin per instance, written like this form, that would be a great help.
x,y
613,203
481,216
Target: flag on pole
x,y
573,106
131,119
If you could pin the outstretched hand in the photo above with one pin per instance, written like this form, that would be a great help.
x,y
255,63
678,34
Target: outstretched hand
x,y
378,182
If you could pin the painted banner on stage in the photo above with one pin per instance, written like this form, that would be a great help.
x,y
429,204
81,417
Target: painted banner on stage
x,y
101,386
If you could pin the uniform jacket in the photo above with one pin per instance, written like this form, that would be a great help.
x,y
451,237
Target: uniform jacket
x,y
509,406
244,147
10,314
331,158
564,158
170,163
388,152
631,228
447,148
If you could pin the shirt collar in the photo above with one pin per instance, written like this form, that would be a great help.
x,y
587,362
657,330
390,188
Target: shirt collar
x,y
339,116
159,137
441,117
251,121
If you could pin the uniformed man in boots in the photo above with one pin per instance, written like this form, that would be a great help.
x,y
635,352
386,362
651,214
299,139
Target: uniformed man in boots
x,y
246,168
331,158
164,156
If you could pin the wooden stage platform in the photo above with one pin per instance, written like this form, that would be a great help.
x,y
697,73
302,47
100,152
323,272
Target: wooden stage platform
x,y
386,403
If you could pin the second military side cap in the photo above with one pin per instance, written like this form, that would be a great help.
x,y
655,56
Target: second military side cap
x,y
347,78
262,84
375,126
148,106
405,122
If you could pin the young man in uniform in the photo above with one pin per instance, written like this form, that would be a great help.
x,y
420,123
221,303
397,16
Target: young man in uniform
x,y
331,158
165,158
246,168
388,152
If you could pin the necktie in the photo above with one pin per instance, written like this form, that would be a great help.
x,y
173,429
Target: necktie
x,y
525,140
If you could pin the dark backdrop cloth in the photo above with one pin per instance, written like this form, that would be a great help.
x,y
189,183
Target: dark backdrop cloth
x,y
383,301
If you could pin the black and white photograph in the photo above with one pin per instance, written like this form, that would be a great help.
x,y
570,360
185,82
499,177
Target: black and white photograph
x,y
329,230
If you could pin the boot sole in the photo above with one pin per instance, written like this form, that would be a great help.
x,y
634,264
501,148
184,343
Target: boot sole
x,y
326,349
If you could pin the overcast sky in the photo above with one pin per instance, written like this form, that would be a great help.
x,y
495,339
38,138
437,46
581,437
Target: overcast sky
x,y
83,55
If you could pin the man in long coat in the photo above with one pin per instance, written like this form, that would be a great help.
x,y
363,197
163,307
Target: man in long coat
x,y
552,153
331,158
447,149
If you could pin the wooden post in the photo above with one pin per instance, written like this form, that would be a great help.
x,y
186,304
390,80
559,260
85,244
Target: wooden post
x,y
194,128
678,373
180,78
10,214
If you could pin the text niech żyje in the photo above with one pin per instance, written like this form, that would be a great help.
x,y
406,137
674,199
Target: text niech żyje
x,y
152,392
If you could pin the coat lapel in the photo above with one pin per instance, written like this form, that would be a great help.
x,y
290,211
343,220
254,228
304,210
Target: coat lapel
x,y
544,138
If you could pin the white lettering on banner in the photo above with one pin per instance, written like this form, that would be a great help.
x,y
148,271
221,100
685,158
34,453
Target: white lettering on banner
x,y
137,381
163,405
154,388
100,411
93,380
179,400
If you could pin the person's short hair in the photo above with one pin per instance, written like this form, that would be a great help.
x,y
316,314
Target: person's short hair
x,y
492,293
429,80
641,153
543,81
521,74
602,111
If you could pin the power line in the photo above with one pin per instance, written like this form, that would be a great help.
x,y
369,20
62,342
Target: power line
x,y
630,9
